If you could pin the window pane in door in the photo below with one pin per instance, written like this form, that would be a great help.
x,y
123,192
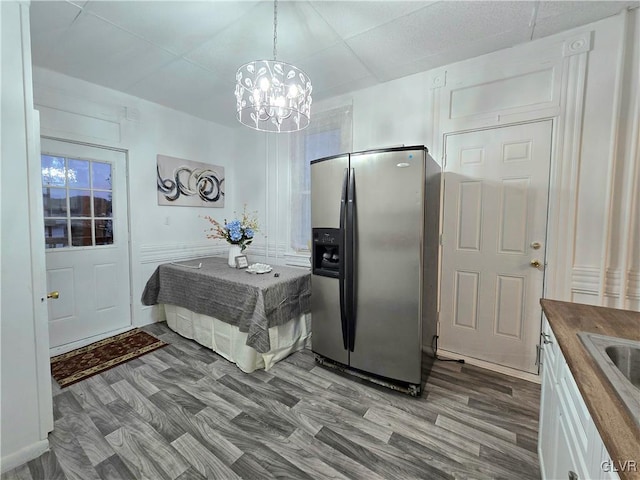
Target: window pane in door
x,y
78,173
55,233
55,202
102,176
104,232
81,233
53,171
77,200
102,204
79,203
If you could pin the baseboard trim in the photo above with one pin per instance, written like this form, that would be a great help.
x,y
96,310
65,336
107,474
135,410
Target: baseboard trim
x,y
512,372
67,347
24,455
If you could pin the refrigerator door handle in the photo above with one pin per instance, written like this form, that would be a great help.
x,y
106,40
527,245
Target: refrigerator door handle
x,y
343,260
350,250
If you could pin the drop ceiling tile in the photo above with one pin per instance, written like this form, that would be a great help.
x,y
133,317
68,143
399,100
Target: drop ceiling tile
x,y
349,18
48,21
98,52
453,54
331,67
554,18
553,9
301,32
346,88
186,87
178,26
413,37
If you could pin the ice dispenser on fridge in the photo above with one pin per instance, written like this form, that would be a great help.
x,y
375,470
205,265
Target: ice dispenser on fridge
x,y
326,252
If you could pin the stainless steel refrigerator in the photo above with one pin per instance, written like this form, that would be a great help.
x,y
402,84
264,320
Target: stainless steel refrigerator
x,y
375,218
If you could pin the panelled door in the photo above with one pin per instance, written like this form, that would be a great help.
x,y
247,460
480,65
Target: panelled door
x,y
86,235
495,215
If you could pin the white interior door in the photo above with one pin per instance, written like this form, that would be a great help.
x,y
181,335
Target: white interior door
x,y
495,216
87,237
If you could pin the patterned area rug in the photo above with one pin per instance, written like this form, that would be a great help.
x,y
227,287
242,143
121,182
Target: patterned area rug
x,y
76,365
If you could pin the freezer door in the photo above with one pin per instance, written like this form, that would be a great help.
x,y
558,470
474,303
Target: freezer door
x,y
327,179
327,320
389,216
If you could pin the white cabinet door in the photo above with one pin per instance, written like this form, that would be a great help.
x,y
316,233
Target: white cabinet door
x,y
569,444
548,429
567,465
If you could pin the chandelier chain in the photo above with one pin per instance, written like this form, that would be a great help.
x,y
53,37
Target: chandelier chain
x,y
275,28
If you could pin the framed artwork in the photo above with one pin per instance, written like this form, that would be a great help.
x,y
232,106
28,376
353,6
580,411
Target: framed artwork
x,y
189,184
241,261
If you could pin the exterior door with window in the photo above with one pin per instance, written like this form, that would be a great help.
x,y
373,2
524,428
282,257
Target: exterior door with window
x,y
86,235
495,216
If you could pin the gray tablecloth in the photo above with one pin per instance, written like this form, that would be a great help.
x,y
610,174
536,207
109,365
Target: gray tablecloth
x,y
250,301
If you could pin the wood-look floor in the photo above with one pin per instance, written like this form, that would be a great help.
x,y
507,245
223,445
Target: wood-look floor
x,y
183,412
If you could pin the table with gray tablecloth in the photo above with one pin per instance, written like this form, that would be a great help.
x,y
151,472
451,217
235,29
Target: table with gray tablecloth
x,y
252,302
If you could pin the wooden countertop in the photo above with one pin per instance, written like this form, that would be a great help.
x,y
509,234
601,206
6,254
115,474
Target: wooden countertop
x,y
619,432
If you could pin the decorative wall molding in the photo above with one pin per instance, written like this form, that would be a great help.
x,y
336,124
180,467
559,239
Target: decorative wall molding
x,y
612,283
269,252
585,280
161,253
298,260
65,124
623,235
633,286
564,179
439,80
505,90
578,44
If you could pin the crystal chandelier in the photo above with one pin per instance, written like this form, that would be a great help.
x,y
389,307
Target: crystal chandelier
x,y
273,96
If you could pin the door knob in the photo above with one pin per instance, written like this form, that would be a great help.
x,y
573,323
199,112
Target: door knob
x,y
535,263
55,295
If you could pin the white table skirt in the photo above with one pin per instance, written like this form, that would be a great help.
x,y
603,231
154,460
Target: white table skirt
x,y
228,341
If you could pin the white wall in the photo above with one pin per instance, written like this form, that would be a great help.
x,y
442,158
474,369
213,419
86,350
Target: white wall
x,y
592,97
26,410
76,110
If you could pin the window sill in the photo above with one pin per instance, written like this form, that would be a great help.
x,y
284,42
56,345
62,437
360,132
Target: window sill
x,y
298,259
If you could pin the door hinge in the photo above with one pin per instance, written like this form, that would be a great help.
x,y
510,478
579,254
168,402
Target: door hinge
x,y
441,242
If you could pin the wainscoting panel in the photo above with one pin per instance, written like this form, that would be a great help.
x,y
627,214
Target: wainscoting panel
x,y
172,252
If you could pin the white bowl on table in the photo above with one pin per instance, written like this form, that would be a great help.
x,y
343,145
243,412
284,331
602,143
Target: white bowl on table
x,y
259,268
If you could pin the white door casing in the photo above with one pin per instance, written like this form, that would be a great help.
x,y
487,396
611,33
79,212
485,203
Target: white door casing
x,y
496,188
92,280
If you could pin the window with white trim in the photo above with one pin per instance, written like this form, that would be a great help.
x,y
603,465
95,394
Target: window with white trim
x,y
330,133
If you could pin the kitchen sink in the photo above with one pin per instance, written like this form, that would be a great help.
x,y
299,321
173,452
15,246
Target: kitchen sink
x,y
627,359
619,361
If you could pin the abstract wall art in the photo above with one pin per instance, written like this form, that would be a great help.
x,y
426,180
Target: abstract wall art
x,y
189,184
